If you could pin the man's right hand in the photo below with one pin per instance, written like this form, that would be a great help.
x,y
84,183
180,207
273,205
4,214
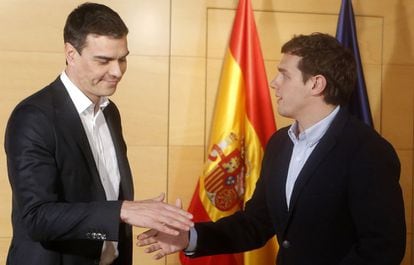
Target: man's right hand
x,y
156,214
164,243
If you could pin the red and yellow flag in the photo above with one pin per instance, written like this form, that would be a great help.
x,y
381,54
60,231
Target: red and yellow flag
x,y
242,124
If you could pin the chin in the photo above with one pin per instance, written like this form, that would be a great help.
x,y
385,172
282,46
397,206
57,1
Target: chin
x,y
283,113
109,91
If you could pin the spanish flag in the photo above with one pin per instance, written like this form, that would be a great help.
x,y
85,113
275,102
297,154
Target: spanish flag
x,y
243,122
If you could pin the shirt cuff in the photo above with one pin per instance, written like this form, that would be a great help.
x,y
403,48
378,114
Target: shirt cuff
x,y
192,244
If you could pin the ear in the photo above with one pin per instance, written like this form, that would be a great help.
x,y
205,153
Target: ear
x,y
319,84
70,53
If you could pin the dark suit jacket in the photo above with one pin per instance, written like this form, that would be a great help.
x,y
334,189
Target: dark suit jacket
x,y
346,206
60,214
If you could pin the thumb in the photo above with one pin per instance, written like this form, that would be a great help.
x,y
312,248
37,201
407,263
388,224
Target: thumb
x,y
160,197
179,203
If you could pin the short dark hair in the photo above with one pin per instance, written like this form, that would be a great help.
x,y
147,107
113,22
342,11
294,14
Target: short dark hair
x,y
323,54
92,18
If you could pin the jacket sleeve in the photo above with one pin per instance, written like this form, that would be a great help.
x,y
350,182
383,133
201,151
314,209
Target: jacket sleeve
x,y
245,230
37,191
376,205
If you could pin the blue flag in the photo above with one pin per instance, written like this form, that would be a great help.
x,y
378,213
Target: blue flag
x,y
346,34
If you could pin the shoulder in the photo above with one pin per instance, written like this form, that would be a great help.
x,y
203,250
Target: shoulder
x,y
278,143
33,115
112,112
363,134
42,99
112,107
351,134
369,146
280,136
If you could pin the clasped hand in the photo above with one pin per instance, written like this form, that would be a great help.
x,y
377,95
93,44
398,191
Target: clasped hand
x,y
163,243
158,215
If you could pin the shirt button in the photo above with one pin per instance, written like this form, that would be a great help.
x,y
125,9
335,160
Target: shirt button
x,y
286,244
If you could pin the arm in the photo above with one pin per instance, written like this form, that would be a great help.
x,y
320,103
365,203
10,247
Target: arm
x,y
241,231
235,233
157,215
37,189
376,205
163,243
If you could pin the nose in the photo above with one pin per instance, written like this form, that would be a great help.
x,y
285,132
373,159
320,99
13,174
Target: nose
x,y
116,69
273,83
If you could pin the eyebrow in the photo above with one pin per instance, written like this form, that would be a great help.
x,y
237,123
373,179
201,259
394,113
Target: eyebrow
x,y
102,57
281,69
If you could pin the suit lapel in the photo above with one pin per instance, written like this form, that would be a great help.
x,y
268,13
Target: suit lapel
x,y
318,155
72,129
282,171
276,174
114,126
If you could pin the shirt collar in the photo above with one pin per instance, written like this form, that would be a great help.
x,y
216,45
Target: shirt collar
x,y
81,101
313,134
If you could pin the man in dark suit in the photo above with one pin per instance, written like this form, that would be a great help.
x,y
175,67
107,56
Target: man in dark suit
x,y
67,162
329,185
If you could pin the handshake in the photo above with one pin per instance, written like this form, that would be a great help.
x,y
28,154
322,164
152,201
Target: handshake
x,y
169,225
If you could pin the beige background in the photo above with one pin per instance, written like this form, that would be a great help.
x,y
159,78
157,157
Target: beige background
x,y
168,92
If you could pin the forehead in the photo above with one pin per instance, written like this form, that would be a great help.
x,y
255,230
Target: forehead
x,y
289,62
107,44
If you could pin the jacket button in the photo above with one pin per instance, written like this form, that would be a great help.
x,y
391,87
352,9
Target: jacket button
x,y
286,244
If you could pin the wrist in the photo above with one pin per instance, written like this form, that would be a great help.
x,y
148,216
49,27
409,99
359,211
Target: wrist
x,y
191,242
123,215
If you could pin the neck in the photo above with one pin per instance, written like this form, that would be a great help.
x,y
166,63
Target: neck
x,y
95,110
313,116
95,99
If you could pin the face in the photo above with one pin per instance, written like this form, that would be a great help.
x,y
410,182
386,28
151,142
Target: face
x,y
100,66
291,92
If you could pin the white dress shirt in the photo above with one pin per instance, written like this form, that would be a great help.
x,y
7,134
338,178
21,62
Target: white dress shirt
x,y
303,145
100,142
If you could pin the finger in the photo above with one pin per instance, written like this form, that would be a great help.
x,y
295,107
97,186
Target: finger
x,y
177,210
172,227
172,215
146,242
175,220
152,248
147,234
179,203
162,227
159,255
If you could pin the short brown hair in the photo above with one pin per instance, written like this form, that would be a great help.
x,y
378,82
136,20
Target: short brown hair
x,y
323,54
92,18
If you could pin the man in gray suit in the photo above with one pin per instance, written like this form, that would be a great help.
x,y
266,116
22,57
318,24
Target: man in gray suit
x,y
67,159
